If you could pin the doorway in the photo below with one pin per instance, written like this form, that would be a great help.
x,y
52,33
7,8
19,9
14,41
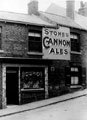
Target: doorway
x,y
12,85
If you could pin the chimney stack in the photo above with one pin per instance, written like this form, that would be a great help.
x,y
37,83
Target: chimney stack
x,y
33,7
70,8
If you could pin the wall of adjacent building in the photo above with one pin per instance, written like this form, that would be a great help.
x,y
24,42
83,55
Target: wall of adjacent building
x,y
84,54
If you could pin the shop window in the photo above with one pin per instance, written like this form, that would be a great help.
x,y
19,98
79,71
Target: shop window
x,y
32,79
75,42
35,41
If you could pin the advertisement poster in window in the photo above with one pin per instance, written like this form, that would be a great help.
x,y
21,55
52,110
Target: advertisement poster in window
x,y
56,43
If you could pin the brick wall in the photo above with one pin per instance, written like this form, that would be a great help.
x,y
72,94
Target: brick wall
x,y
84,55
77,57
14,39
57,77
84,47
0,86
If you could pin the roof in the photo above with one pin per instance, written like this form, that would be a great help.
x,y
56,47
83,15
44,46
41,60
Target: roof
x,y
23,18
79,20
55,9
62,20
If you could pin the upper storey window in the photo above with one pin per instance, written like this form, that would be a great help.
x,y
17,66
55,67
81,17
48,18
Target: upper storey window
x,y
75,42
34,41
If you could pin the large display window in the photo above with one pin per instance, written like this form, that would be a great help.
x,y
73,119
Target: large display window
x,y
32,78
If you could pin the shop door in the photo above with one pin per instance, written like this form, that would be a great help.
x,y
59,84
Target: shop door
x,y
12,85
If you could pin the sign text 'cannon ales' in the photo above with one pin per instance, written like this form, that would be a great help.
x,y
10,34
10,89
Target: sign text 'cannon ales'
x,y
56,43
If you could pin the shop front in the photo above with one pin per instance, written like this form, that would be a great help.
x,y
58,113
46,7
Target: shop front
x,y
23,83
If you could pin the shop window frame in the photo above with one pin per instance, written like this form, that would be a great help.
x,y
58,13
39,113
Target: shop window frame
x,y
32,87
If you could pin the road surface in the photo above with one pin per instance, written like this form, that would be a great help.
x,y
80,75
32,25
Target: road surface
x,y
75,109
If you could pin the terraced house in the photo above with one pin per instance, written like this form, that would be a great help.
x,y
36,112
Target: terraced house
x,y
42,55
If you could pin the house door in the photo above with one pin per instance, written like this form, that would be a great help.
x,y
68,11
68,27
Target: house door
x,y
12,85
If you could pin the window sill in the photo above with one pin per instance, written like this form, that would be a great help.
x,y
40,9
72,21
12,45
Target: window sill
x,y
75,86
35,89
73,52
34,53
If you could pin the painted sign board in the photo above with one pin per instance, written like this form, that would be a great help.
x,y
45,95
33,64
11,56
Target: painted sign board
x,y
56,43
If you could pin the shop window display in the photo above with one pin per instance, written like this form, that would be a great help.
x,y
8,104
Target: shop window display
x,y
32,79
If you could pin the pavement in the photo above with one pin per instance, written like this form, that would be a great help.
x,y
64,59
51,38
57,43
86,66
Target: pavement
x,y
16,109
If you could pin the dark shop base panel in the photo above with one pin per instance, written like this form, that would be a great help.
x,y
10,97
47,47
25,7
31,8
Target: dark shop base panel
x,y
27,97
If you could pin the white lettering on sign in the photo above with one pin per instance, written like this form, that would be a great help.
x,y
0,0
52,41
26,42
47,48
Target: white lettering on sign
x,y
56,43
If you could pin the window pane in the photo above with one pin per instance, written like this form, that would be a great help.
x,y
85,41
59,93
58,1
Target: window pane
x,y
72,80
35,47
37,35
75,42
72,69
30,34
75,37
34,34
75,46
76,69
34,41
31,38
37,39
76,80
72,36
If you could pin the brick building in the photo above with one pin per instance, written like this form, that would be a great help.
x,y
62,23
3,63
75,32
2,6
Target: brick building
x,y
21,58
42,55
69,18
